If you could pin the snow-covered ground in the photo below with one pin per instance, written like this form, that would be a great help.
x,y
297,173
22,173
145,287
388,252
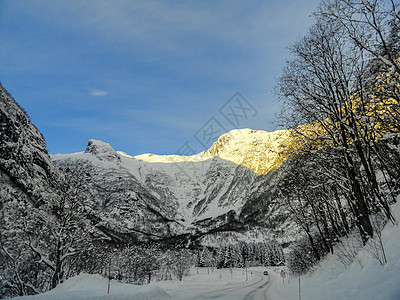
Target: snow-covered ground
x,y
331,282
202,283
364,279
87,286
220,284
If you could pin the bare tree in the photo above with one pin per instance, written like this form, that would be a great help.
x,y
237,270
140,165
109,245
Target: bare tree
x,y
183,260
70,229
319,86
340,96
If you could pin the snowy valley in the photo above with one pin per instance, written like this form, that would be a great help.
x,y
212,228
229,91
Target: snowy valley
x,y
105,207
307,212
206,202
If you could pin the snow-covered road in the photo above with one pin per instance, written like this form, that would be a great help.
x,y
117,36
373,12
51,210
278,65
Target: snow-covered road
x,y
259,289
254,288
250,290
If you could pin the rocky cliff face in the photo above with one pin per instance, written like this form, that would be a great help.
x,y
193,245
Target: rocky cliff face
x,y
27,183
24,159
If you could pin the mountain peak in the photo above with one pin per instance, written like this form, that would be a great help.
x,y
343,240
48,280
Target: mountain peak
x,y
101,150
230,139
257,150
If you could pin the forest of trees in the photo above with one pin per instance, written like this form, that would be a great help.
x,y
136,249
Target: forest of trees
x,y
340,94
241,255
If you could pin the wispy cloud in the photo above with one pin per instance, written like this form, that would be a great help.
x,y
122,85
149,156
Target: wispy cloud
x,y
99,93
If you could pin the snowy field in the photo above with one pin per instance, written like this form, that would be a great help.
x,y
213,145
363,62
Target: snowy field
x,y
365,279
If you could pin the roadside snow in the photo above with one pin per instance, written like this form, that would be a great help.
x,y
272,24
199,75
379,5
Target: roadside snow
x,y
331,282
200,283
88,286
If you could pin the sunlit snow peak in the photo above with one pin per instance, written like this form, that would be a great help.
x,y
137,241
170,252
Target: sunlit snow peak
x,y
257,150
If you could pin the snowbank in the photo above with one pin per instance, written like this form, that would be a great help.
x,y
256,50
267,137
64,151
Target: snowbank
x,y
200,284
331,282
87,286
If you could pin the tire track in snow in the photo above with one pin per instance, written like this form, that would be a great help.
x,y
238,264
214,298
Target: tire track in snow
x,y
235,290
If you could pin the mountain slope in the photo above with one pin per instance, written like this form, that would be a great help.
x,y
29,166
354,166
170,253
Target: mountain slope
x,y
158,200
121,207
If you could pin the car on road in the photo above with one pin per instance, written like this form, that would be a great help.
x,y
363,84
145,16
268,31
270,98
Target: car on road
x,y
265,273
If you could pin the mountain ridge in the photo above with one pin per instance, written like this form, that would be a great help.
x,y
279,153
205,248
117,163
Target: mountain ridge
x,y
257,150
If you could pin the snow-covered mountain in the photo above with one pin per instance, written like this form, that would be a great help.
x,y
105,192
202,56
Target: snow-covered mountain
x,y
165,196
219,191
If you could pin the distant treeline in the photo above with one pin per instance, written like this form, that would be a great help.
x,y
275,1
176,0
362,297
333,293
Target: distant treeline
x,y
240,255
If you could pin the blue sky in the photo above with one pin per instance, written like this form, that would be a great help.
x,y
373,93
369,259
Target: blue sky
x,y
144,76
